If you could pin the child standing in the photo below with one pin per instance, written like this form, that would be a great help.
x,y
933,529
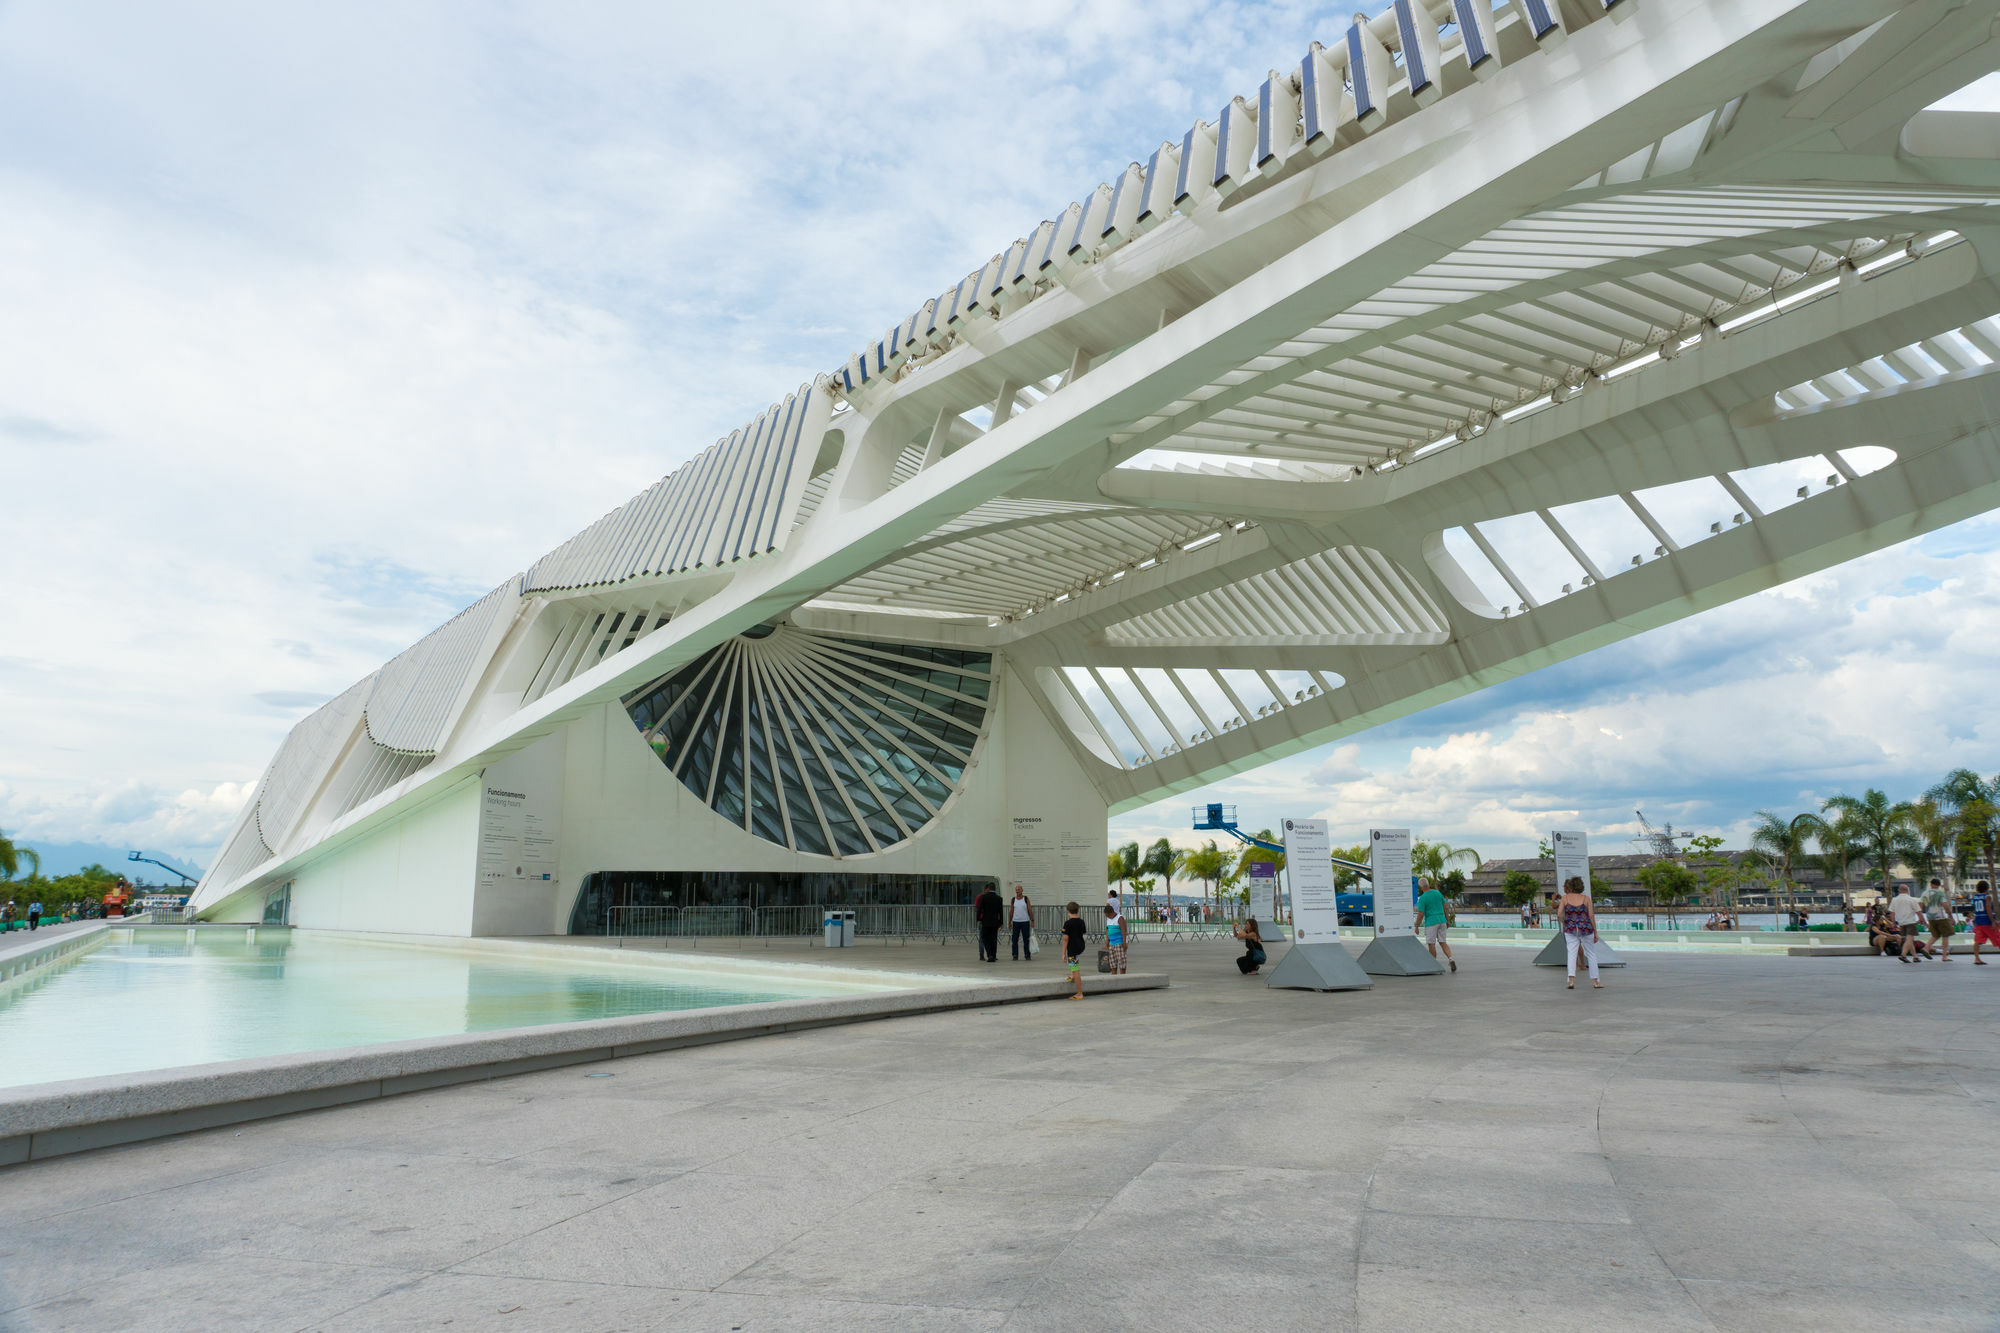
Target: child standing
x,y
1073,947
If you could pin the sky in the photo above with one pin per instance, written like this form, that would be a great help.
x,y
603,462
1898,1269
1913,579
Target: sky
x,y
317,323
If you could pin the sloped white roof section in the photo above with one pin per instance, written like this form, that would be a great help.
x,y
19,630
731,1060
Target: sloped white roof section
x,y
304,760
733,501
412,701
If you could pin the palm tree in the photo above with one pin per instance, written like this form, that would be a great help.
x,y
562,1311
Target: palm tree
x,y
1975,807
12,854
1430,860
1345,880
1880,825
1206,863
1163,859
1931,832
1123,864
1782,843
1838,849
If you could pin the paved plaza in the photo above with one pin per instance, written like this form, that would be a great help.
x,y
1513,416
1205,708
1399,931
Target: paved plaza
x,y
1710,1142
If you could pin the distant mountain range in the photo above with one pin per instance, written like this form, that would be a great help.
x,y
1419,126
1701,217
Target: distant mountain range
x,y
66,858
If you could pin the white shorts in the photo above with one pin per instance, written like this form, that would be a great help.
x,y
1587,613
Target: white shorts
x,y
1434,934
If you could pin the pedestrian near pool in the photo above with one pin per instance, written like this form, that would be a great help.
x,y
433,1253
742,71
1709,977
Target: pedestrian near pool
x,y
1937,913
34,916
986,912
1430,906
1072,933
1983,929
1579,926
1021,939
1908,914
1114,940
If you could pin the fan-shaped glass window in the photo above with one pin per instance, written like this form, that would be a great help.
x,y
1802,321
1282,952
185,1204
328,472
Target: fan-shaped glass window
x,y
833,746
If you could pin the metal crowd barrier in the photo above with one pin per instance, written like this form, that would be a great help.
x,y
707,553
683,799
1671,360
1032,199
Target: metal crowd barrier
x,y
941,923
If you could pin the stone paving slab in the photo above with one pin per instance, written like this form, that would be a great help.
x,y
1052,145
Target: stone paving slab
x,y
1709,1143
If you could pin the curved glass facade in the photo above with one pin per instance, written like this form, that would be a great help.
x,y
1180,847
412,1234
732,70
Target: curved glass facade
x,y
836,747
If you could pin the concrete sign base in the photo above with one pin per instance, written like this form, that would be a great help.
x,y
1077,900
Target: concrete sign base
x,y
1318,967
1553,955
1399,956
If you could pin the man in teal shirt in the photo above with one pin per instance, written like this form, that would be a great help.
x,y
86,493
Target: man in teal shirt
x,y
1430,912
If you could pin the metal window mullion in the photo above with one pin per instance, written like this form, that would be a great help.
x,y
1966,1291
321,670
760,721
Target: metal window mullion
x,y
929,685
720,659
1653,525
830,727
1243,710
815,729
1166,723
860,650
1117,751
1501,566
795,722
701,673
860,724
764,698
1570,544
1207,723
731,674
1738,494
1124,716
1277,692
833,665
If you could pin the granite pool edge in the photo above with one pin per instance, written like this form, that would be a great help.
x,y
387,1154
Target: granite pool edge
x,y
54,1119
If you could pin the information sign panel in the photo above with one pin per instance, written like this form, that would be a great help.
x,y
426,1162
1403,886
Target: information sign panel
x,y
1389,858
1309,862
1262,882
1572,854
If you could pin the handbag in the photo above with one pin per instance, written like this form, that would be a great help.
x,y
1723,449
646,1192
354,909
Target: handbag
x,y
1034,945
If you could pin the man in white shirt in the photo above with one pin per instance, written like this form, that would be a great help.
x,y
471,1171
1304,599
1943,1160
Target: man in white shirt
x,y
1021,938
1908,915
1112,905
1937,911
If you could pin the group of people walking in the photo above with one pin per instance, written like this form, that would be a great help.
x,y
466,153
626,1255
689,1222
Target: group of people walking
x,y
1901,926
989,911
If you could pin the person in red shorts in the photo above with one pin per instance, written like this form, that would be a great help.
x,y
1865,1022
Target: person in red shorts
x,y
1983,929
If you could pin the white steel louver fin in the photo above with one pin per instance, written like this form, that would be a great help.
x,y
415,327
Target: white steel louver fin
x,y
836,747
304,760
410,704
731,502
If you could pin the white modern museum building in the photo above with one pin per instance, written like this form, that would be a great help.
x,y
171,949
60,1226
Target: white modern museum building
x,y
1475,336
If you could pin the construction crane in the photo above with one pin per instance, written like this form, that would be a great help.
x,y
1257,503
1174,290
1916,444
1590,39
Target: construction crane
x,y
1663,843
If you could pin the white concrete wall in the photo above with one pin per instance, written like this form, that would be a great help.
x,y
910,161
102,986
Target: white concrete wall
x,y
623,810
626,811
414,876
504,903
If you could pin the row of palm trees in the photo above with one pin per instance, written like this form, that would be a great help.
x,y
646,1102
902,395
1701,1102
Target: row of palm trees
x,y
1952,828
1220,870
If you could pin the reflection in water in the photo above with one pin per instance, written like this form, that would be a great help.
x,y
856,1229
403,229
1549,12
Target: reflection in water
x,y
161,1001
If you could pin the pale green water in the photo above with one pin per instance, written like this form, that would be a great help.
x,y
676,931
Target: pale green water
x,y
160,1000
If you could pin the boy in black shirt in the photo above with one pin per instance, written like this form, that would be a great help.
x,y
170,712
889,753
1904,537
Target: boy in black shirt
x,y
1073,948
